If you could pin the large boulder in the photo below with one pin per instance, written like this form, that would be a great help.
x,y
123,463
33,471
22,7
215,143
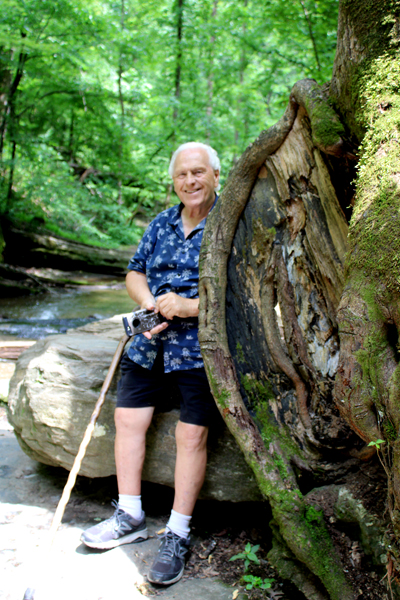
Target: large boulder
x,y
52,394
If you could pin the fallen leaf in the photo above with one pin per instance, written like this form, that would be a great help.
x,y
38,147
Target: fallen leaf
x,y
207,549
235,594
275,595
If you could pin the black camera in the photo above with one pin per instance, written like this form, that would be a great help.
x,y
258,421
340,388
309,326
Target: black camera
x,y
141,320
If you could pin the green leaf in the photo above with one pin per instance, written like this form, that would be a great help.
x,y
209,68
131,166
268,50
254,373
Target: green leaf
x,y
376,443
253,558
238,556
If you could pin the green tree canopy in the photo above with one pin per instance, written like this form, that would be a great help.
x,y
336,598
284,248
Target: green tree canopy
x,y
94,97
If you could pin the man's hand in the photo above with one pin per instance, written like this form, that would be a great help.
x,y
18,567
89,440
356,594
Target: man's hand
x,y
155,330
150,304
138,290
171,305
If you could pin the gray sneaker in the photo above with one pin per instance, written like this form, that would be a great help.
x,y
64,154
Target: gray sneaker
x,y
170,561
119,529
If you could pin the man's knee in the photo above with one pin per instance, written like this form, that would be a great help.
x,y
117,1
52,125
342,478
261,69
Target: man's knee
x,y
192,437
133,420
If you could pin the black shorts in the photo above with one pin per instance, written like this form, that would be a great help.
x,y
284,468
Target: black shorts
x,y
139,387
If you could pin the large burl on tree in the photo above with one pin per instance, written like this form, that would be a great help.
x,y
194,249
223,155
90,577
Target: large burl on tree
x,y
300,311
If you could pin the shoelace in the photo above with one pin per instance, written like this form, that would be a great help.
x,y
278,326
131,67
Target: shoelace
x,y
172,547
115,517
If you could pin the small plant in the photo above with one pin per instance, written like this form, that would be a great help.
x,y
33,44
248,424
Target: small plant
x,y
377,444
382,456
249,555
256,582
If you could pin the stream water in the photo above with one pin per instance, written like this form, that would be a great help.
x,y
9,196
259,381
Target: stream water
x,y
35,317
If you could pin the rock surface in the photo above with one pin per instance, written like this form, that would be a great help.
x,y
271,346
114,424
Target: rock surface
x,y
52,394
29,493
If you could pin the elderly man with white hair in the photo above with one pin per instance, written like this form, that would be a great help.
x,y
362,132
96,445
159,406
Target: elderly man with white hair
x,y
163,276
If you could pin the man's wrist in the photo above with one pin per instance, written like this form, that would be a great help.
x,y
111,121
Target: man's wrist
x,y
193,307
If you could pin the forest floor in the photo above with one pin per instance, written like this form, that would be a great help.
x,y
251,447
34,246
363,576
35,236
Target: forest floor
x,y
29,493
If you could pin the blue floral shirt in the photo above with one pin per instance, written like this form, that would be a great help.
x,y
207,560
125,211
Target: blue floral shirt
x,y
171,264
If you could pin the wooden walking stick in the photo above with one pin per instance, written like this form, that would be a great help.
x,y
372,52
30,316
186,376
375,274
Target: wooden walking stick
x,y
58,515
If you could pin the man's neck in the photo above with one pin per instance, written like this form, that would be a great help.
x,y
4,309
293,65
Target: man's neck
x,y
192,217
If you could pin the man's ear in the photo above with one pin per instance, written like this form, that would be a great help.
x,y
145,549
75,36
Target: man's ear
x,y
216,174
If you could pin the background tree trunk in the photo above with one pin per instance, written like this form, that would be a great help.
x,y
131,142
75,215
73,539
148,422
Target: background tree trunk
x,y
272,277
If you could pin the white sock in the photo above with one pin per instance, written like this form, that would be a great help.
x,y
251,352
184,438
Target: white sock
x,y
131,505
179,524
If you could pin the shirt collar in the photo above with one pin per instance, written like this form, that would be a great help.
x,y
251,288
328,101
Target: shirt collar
x,y
175,217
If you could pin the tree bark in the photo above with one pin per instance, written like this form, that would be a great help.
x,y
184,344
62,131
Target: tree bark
x,y
272,384
179,6
274,290
367,386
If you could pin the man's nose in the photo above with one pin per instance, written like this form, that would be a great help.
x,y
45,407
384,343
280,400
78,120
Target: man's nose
x,y
190,178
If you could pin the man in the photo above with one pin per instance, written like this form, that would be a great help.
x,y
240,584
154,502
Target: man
x,y
163,275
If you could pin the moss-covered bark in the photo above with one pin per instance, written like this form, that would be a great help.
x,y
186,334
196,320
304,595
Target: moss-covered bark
x,y
367,390
300,234
276,244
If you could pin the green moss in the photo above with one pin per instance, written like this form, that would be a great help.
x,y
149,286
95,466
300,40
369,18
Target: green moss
x,y
389,430
240,353
373,26
375,224
221,395
327,129
371,21
307,530
259,394
257,391
371,357
300,523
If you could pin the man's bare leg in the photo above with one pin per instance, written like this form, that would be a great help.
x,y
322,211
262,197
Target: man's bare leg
x,y
191,462
128,523
190,469
130,447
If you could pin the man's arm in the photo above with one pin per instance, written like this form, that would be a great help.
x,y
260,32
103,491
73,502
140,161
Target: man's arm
x,y
138,289
172,305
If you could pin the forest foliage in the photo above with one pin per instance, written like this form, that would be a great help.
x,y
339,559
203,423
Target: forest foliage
x,y
94,97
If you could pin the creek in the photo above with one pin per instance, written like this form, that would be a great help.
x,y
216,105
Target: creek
x,y
35,317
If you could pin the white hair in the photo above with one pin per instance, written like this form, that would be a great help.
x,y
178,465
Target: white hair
x,y
212,155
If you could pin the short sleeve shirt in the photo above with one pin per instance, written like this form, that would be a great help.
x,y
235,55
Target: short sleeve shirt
x,y
171,264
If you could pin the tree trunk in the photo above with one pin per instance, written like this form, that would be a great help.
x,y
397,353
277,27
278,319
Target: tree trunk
x,y
210,78
272,278
179,6
367,387
5,84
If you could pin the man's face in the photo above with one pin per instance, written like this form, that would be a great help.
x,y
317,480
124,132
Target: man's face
x,y
194,179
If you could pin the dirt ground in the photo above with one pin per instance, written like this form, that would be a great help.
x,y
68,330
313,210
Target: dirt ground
x,y
29,493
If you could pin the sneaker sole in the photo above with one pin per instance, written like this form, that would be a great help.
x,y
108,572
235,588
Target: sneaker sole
x,y
137,536
170,581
